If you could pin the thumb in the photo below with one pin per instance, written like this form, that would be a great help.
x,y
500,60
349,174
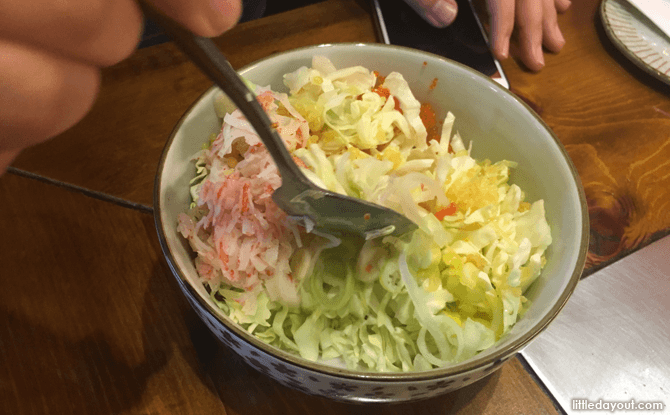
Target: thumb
x,y
206,18
439,13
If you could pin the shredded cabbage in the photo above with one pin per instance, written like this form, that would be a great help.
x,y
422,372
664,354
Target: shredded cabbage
x,y
437,297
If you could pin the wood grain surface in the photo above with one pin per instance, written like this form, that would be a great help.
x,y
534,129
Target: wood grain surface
x,y
91,321
614,120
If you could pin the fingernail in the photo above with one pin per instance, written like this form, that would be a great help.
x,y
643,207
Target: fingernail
x,y
442,13
561,39
504,48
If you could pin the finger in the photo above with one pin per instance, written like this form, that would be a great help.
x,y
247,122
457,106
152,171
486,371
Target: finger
x,y
101,32
552,38
529,20
439,13
562,5
502,24
204,17
41,95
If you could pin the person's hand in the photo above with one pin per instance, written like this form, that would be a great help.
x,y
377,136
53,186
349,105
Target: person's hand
x,y
51,53
535,20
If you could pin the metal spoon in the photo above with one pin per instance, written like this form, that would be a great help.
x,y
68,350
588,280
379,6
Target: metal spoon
x,y
314,207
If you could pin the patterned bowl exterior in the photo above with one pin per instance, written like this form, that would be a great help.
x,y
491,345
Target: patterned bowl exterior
x,y
328,385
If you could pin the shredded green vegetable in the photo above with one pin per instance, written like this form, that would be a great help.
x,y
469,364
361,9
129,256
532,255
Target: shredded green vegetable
x,y
435,298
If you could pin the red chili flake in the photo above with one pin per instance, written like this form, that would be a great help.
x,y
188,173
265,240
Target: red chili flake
x,y
245,197
429,119
450,210
368,268
425,63
397,105
380,79
433,84
366,216
275,125
382,91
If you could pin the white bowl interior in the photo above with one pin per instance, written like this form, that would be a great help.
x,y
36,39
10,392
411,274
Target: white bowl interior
x,y
499,126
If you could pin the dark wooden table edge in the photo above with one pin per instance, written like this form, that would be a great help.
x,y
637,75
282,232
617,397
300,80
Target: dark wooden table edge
x,y
543,387
78,189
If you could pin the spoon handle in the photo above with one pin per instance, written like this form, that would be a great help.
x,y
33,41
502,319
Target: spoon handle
x,y
207,56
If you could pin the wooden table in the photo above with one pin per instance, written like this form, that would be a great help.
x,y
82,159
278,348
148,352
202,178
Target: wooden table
x,y
91,321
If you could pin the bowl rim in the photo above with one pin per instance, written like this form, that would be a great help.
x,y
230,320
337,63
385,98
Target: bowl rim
x,y
438,373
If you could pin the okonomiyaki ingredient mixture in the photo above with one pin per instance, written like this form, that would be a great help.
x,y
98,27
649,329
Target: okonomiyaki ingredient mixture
x,y
431,299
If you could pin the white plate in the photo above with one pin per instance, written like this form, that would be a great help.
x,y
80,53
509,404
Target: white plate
x,y
637,37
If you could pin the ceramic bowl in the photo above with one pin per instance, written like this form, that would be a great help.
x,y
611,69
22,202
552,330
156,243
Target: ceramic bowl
x,y
501,126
